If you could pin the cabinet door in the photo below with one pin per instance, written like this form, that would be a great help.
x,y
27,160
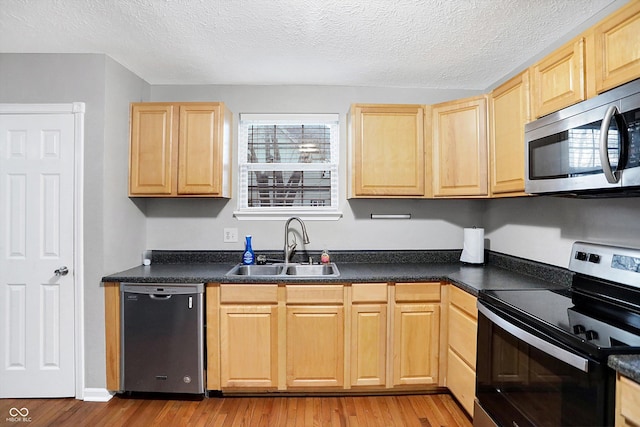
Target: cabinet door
x,y
617,46
509,113
368,344
627,402
315,346
460,148
559,79
416,344
151,168
388,150
249,346
199,150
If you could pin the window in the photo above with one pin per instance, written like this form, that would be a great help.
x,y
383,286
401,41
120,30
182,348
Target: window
x,y
288,165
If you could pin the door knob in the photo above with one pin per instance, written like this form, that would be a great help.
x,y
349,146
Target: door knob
x,y
62,271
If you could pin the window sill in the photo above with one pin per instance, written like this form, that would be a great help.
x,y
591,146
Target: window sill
x,y
272,215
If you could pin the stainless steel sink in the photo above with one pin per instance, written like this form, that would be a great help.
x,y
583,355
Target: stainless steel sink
x,y
312,270
285,270
256,270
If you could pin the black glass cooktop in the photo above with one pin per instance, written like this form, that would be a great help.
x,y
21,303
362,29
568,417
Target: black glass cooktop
x,y
555,312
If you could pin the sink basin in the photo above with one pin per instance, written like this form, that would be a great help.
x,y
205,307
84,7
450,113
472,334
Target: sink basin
x,y
256,270
312,270
285,270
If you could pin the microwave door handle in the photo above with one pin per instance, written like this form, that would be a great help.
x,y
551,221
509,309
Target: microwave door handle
x,y
544,346
612,177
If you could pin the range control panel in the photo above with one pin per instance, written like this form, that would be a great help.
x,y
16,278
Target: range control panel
x,y
613,263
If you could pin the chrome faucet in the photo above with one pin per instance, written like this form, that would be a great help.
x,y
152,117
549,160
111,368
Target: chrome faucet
x,y
289,248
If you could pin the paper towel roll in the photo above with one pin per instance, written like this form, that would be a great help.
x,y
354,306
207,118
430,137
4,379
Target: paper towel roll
x,y
473,246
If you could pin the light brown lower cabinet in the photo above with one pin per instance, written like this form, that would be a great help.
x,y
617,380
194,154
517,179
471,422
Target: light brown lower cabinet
x,y
112,334
461,380
462,330
314,351
416,337
249,346
416,333
627,402
248,334
315,346
314,337
369,334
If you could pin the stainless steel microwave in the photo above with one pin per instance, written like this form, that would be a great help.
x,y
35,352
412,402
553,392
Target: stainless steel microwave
x,y
591,149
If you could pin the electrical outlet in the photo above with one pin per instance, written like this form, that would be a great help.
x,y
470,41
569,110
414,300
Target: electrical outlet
x,y
230,235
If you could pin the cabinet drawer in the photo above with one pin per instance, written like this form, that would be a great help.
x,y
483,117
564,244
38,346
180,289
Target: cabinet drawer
x,y
461,380
629,399
462,335
249,294
369,292
315,294
464,301
411,292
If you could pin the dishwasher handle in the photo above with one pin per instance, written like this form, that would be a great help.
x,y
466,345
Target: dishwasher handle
x,y
162,288
161,297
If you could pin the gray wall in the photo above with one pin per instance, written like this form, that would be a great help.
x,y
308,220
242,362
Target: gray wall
x,y
124,231
198,224
113,226
544,228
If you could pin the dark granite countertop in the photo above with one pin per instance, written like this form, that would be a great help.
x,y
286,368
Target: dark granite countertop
x,y
500,271
627,364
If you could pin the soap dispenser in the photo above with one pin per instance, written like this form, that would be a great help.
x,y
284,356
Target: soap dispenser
x,y
248,257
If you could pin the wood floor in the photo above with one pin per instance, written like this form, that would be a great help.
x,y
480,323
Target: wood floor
x,y
411,410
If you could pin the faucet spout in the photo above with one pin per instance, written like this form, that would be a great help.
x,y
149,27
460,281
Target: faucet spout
x,y
290,247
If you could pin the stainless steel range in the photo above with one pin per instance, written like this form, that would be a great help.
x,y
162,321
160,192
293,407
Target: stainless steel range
x,y
542,354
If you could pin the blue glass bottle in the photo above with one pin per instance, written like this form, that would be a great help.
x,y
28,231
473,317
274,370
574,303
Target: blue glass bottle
x,y
248,257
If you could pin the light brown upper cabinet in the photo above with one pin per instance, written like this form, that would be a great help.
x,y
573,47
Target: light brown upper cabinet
x,y
617,47
460,148
180,150
509,111
558,80
387,149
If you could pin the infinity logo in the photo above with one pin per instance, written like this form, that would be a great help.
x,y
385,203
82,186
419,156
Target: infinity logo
x,y
14,412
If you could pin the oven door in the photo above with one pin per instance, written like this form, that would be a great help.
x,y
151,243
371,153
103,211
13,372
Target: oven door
x,y
525,379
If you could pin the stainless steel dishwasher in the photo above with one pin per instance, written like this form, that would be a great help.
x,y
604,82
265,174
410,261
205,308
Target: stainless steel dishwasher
x,y
162,348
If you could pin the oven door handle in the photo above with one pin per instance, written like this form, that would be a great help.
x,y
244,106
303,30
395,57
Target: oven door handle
x,y
567,357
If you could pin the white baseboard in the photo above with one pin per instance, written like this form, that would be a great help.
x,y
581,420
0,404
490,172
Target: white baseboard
x,y
97,395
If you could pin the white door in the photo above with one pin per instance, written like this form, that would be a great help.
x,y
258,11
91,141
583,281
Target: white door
x,y
36,240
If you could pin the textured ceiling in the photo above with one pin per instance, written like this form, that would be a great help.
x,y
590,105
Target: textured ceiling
x,y
462,44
